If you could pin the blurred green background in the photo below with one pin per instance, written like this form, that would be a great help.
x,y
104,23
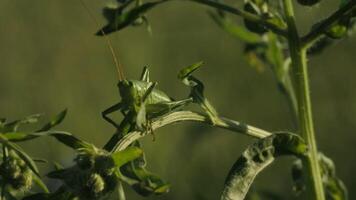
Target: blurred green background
x,y
50,60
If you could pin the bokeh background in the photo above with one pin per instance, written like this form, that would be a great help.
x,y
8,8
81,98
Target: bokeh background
x,y
50,60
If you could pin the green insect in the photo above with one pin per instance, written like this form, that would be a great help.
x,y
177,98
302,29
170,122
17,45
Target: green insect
x,y
140,102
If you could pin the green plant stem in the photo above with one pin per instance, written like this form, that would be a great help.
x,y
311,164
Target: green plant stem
x,y
325,24
180,116
300,73
121,192
251,17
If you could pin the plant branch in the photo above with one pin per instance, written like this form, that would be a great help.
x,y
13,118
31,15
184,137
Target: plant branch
x,y
306,129
249,16
325,24
180,116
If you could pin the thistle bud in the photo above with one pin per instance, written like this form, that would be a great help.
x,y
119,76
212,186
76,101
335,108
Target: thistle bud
x,y
95,185
16,173
339,29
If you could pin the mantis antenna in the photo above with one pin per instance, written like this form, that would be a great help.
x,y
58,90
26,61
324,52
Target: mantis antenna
x,y
112,51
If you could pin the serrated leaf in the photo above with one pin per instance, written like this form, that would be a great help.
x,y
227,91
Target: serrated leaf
x,y
122,157
256,158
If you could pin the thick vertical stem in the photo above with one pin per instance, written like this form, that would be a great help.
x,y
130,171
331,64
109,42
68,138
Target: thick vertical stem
x,y
306,129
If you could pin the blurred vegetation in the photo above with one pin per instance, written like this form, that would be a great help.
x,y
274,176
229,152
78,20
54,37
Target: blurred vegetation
x,y
50,60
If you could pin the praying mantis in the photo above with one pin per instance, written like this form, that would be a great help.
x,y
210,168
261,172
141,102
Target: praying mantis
x,y
140,101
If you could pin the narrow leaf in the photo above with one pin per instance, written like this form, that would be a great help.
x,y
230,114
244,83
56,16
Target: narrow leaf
x,y
142,181
64,137
54,122
187,71
122,157
14,125
40,184
235,30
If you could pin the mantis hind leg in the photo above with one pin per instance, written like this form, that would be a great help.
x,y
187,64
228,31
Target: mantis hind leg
x,y
110,110
159,109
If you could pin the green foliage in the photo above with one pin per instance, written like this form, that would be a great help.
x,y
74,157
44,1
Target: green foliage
x,y
271,39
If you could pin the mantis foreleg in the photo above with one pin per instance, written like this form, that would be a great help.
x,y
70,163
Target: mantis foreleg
x,y
110,110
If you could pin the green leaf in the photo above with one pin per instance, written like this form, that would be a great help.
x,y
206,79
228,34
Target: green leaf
x,y
14,125
256,158
122,157
40,184
281,68
54,122
197,91
235,30
63,137
119,19
187,71
142,181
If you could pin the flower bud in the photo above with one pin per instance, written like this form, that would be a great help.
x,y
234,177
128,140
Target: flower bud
x,y
16,173
95,185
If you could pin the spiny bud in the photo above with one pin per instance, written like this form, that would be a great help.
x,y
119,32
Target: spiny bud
x,y
16,173
95,185
339,29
